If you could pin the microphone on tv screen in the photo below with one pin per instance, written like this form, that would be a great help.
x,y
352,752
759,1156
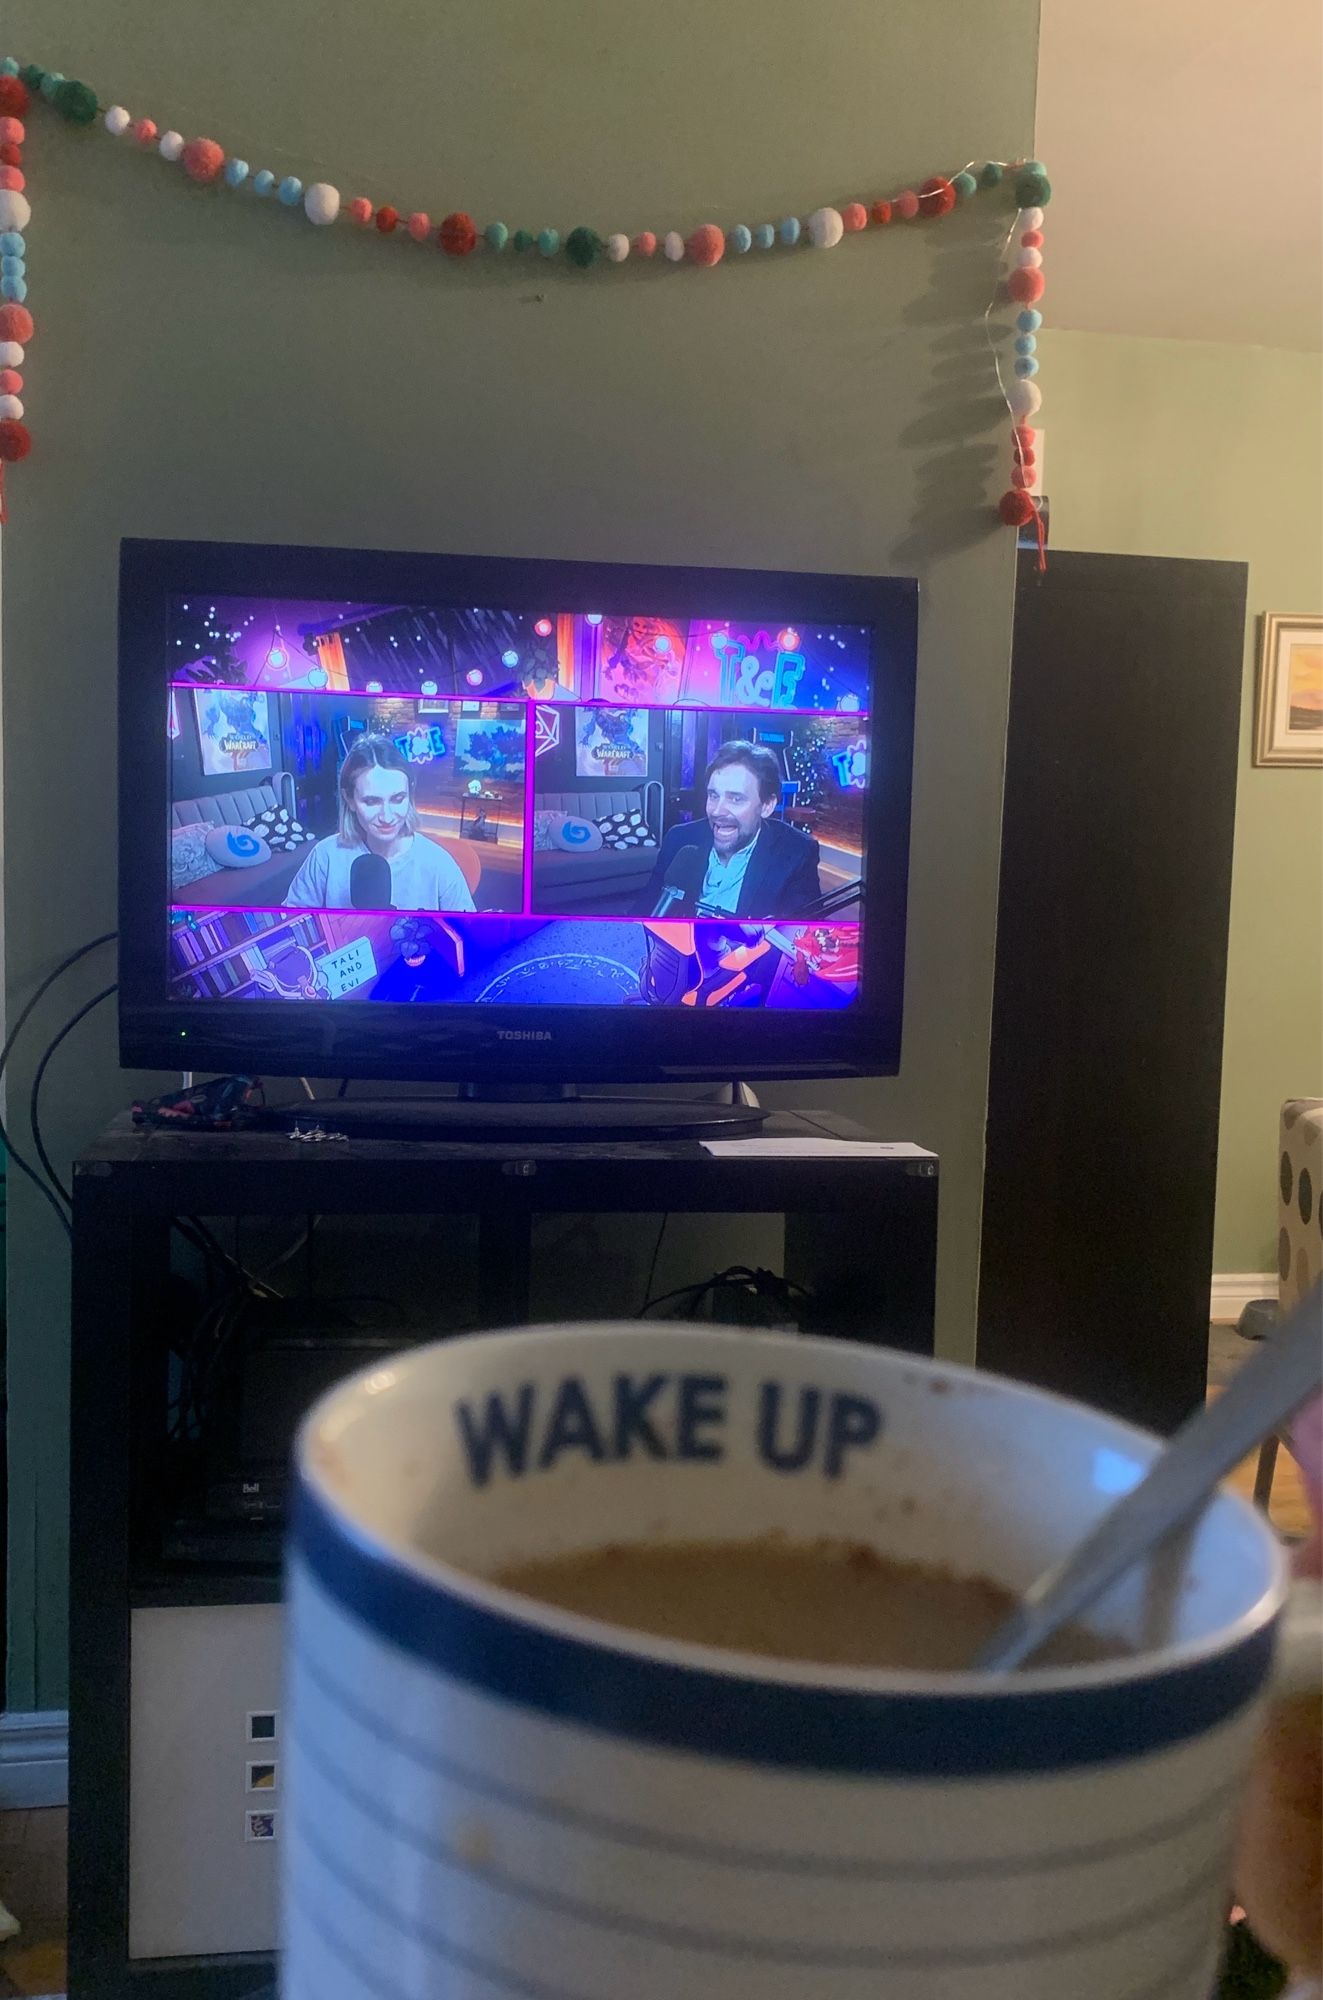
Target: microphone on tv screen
x,y
684,880
369,883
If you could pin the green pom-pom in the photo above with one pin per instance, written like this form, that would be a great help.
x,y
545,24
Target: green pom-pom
x,y
524,239
990,174
76,102
548,242
33,75
50,83
9,67
965,185
497,235
583,247
1033,189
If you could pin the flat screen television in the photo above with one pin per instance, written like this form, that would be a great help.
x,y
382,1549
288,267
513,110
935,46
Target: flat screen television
x,y
510,822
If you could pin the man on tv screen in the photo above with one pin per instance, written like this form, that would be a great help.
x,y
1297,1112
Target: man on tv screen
x,y
738,860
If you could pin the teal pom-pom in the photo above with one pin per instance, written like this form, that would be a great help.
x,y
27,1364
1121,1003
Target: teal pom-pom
x,y
290,191
14,289
965,185
50,83
790,229
263,181
496,235
1033,189
1026,365
583,247
33,75
235,172
13,267
75,101
764,236
9,67
524,239
740,238
990,174
1029,320
548,242
1025,343
13,243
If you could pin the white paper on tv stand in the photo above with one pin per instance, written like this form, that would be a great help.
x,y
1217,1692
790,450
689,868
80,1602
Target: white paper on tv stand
x,y
816,1149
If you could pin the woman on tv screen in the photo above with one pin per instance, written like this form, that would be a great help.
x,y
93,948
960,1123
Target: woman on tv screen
x,y
378,859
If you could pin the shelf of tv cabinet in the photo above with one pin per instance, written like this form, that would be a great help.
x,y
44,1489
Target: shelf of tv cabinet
x,y
860,1233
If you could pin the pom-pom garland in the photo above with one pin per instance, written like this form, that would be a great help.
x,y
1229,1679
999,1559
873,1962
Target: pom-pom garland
x,y
204,161
1016,508
15,441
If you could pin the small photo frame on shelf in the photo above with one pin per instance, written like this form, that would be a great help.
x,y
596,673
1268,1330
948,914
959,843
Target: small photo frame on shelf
x,y
1288,714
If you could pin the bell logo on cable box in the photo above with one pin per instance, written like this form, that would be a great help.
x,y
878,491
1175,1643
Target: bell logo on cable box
x,y
523,1035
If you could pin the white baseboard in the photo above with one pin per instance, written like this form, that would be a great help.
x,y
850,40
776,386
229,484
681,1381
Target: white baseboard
x,y
1233,1290
34,1759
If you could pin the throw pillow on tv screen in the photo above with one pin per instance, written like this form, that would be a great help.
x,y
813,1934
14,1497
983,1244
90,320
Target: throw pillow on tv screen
x,y
236,847
625,829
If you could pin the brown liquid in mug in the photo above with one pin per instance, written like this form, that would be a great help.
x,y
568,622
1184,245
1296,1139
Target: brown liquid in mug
x,y
832,1603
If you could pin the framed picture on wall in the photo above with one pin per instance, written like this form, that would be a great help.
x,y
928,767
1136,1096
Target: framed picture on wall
x,y
1288,717
234,731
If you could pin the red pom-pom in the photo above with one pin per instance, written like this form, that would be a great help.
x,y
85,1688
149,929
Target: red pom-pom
x,y
14,97
707,245
13,179
1016,508
881,213
1022,475
1025,434
419,226
13,131
388,218
11,382
1025,285
145,131
1032,239
457,234
202,159
16,324
359,209
15,439
937,196
645,244
854,215
11,154
906,206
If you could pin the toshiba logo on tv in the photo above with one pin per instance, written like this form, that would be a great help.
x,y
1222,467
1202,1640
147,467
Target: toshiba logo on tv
x,y
523,1035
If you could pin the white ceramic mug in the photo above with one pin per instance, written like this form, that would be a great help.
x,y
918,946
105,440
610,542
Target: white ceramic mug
x,y
492,1800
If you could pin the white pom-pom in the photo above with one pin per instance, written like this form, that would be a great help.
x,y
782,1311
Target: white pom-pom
x,y
1029,259
1030,218
117,120
617,249
825,228
11,354
15,212
1024,396
321,202
10,406
170,145
674,246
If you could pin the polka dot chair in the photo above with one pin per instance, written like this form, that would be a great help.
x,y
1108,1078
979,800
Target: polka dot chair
x,y
1299,1229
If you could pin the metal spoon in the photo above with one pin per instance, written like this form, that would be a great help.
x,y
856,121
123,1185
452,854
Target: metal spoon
x,y
1285,1373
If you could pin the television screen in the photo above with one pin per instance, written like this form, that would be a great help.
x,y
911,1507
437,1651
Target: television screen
x,y
403,800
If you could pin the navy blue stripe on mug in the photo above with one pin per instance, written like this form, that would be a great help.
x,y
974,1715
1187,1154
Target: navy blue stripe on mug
x,y
764,1721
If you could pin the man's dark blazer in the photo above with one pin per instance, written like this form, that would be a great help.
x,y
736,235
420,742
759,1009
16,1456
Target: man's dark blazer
x,y
780,881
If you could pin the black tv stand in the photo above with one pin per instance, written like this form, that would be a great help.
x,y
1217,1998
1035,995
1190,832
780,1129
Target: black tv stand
x,y
558,1113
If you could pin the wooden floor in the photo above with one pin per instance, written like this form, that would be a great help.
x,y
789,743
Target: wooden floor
x,y
32,1844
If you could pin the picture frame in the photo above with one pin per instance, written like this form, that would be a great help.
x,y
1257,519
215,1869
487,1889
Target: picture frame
x,y
1288,710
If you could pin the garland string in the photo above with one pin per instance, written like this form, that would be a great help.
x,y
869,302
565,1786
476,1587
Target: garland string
x,y
458,236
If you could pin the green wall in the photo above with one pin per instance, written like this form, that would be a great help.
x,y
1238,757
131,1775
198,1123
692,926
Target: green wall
x,y
208,368
1185,448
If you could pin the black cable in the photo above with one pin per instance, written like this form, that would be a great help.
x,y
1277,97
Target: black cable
x,y
34,1097
652,1268
24,1166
